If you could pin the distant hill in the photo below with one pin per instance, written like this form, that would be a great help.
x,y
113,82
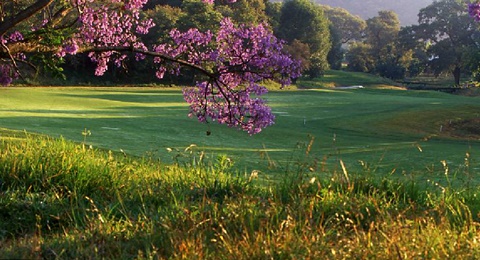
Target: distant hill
x,y
407,10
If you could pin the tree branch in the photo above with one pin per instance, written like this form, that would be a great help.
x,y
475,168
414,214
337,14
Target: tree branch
x,y
12,59
59,16
23,15
152,54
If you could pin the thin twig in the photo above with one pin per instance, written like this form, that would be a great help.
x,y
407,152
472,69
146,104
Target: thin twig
x,y
12,60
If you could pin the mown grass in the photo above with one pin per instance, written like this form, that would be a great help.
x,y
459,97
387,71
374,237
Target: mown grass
x,y
64,200
390,131
339,78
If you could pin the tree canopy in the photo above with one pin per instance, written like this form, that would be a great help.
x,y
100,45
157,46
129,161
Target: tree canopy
x,y
450,31
379,52
349,27
305,22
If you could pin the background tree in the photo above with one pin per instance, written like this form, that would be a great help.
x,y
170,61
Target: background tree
x,y
380,52
301,52
344,28
472,63
245,11
304,21
359,57
200,15
335,56
273,11
382,32
451,32
415,51
473,56
407,10
165,18
348,27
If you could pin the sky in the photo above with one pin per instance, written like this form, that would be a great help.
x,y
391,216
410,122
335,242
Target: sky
x,y
407,10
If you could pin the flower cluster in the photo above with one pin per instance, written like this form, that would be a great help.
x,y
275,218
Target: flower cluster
x,y
240,58
68,48
474,11
234,108
16,36
8,73
114,24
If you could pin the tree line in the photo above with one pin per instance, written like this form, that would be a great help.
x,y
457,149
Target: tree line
x,y
407,10
446,40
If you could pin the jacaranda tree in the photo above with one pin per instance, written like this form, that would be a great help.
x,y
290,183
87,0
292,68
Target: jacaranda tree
x,y
233,60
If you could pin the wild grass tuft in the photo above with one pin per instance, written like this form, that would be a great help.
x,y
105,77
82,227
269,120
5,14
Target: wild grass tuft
x,y
64,200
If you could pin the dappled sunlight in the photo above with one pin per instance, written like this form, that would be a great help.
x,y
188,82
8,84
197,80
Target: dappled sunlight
x,y
240,149
330,90
391,87
392,146
98,114
54,115
11,138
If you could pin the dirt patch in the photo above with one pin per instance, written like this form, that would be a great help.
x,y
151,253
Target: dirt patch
x,y
465,129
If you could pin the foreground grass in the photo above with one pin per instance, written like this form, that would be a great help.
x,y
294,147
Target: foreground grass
x,y
64,200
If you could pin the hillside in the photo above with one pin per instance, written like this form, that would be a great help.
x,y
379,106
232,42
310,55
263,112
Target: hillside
x,y
407,10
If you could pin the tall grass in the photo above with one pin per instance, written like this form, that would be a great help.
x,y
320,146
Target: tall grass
x,y
64,200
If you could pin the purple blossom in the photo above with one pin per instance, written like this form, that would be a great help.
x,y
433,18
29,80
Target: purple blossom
x,y
474,11
107,26
5,80
70,48
15,37
7,74
241,57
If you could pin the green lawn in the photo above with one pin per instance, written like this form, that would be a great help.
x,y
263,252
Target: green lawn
x,y
386,131
338,78
408,190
